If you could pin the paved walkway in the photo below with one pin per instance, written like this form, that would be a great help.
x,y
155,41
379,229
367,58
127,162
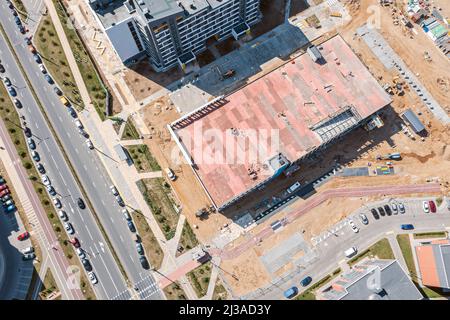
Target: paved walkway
x,y
397,251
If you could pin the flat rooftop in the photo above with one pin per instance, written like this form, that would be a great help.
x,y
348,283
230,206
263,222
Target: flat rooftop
x,y
300,106
116,11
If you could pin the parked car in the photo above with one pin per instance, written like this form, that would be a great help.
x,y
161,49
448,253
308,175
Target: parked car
x,y
74,241
35,155
27,132
78,124
63,215
4,192
10,208
401,207
64,101
388,210
69,228
89,144
131,226
86,264
6,198
92,277
32,49
291,292
126,215
353,226
81,204
144,262
381,211
407,227
306,281
8,203
28,256
12,92
41,168
57,203
31,143
294,187
2,68
426,207
432,206
57,91
3,187
48,79
170,174
27,250
7,82
394,208
114,190
37,58
22,29
45,180
81,253
28,40
17,103
51,190
72,112
17,20
120,201
42,68
364,219
139,248
23,236
350,252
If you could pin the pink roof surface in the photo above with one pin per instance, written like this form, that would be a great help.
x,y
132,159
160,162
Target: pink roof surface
x,y
287,101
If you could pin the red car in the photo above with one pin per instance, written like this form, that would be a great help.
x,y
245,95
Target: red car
x,y
32,48
75,242
3,187
23,236
4,192
432,206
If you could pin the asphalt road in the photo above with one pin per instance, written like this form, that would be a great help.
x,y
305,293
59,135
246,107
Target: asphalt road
x,y
110,279
331,250
88,166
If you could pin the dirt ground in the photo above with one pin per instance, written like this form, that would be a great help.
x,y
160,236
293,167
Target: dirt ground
x,y
143,81
186,187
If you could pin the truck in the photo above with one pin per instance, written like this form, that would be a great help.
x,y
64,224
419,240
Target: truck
x,y
228,74
390,156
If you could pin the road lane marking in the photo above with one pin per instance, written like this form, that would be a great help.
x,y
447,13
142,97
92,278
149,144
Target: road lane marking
x,y
121,239
89,232
389,232
107,270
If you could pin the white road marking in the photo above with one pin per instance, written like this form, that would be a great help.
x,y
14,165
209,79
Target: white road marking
x,y
89,233
121,239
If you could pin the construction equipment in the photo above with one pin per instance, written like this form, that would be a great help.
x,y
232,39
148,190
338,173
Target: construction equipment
x,y
202,213
427,56
336,14
390,156
228,74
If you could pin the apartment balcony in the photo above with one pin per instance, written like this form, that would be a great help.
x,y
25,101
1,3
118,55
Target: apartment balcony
x,y
240,30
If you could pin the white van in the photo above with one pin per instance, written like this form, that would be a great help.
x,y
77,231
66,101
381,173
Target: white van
x,y
294,187
28,250
350,252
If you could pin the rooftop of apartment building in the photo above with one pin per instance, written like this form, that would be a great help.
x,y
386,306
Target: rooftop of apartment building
x,y
298,106
372,280
434,263
116,11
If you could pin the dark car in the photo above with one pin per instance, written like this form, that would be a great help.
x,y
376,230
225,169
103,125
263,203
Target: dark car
x,y
27,132
57,91
48,79
381,211
28,40
41,168
306,281
10,5
31,143
407,227
22,29
17,20
12,91
17,103
86,264
140,249
75,242
432,206
81,204
120,201
388,210
131,226
2,68
144,262
37,58
72,112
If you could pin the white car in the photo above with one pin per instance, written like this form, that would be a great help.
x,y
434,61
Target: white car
x,y
42,68
426,207
79,124
92,277
81,253
62,214
89,144
114,190
45,180
57,203
170,174
354,227
69,228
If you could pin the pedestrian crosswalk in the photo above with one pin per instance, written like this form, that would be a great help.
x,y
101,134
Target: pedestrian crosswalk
x,y
145,289
332,2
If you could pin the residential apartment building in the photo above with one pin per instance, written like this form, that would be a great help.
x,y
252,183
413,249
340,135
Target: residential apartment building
x,y
172,32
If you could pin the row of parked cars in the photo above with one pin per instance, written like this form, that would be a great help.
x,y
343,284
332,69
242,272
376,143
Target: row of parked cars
x,y
16,17
393,208
5,196
132,228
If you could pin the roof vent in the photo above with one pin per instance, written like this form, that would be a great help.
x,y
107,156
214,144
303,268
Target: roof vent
x,y
193,7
